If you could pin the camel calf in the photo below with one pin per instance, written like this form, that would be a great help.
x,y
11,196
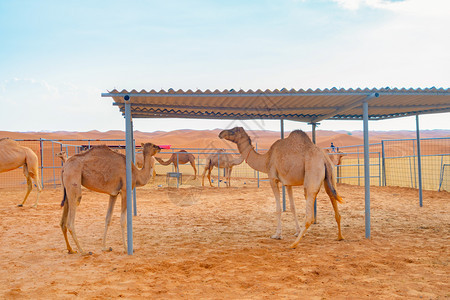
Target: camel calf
x,y
224,161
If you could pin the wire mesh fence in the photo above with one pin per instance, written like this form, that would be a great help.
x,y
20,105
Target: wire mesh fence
x,y
392,163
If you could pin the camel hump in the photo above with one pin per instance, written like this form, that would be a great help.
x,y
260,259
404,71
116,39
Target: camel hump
x,y
299,134
6,141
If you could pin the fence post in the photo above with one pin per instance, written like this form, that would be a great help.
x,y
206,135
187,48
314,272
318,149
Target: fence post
x,y
383,160
359,172
419,161
257,172
218,169
41,151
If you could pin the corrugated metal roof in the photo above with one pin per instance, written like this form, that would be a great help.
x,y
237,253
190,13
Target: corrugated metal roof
x,y
298,105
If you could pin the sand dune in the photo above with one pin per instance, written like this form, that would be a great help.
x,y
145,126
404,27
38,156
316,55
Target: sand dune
x,y
209,138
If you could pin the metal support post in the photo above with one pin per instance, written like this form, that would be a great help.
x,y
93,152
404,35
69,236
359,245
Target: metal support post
x,y
128,161
419,161
134,161
366,168
283,187
314,141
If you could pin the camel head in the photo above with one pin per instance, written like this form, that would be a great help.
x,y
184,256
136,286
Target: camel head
x,y
235,135
61,154
150,149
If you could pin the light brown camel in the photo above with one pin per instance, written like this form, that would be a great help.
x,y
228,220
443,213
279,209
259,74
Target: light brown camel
x,y
181,158
225,161
63,155
293,161
13,156
336,157
102,170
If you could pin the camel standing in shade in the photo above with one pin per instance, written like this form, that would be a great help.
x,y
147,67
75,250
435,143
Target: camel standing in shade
x,y
181,158
102,170
293,161
13,156
225,161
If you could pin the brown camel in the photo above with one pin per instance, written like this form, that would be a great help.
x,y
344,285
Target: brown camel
x,y
13,156
226,161
102,170
293,161
181,158
63,155
336,157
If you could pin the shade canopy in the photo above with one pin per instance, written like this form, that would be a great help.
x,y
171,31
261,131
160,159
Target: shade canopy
x,y
298,105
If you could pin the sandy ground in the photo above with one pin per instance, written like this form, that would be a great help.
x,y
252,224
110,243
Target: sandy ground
x,y
203,243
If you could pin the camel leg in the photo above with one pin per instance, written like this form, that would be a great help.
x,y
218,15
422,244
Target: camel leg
x,y
123,218
37,182
209,176
309,215
29,187
337,216
195,170
112,201
291,200
73,198
203,176
229,176
63,225
276,193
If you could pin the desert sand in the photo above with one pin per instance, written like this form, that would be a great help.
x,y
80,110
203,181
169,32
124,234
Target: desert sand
x,y
214,243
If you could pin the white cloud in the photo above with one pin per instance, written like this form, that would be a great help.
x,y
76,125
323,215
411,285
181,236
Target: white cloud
x,y
411,7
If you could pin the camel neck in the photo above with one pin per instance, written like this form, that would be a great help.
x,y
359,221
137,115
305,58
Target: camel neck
x,y
252,158
143,175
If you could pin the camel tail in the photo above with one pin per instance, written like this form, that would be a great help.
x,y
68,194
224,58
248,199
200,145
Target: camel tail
x,y
330,181
64,198
164,163
64,189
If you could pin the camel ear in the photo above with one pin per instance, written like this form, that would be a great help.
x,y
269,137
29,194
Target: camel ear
x,y
142,145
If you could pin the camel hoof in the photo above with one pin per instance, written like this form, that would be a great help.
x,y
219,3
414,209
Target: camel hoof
x,y
340,238
20,205
276,237
293,246
71,251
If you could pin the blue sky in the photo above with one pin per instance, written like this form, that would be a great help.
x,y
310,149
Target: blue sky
x,y
57,57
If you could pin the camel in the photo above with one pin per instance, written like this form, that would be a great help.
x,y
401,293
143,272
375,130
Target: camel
x,y
63,155
13,156
336,158
225,162
293,161
102,170
181,158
